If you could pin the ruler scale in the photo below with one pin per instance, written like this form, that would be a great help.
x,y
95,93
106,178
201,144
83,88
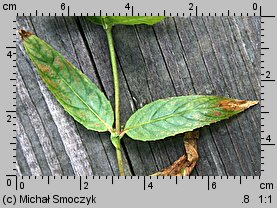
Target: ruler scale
x,y
137,191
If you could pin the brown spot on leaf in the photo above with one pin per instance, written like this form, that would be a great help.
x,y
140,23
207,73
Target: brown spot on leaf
x,y
217,113
76,79
62,63
236,105
63,97
44,69
51,82
98,125
24,34
83,115
58,61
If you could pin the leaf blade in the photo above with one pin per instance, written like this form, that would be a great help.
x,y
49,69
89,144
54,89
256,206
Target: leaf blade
x,y
109,21
133,20
74,91
168,117
95,19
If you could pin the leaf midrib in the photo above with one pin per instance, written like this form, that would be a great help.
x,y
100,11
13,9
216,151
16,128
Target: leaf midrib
x,y
80,98
159,119
107,125
127,21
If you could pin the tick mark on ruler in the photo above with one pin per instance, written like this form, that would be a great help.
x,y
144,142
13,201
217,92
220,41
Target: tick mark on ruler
x,y
268,80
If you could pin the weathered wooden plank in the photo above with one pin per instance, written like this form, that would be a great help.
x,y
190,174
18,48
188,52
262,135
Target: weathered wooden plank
x,y
180,56
232,74
35,122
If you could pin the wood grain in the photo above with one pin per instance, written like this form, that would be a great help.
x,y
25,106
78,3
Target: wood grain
x,y
179,56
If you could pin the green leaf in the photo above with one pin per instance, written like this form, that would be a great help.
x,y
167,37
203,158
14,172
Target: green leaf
x,y
75,92
168,117
110,21
95,19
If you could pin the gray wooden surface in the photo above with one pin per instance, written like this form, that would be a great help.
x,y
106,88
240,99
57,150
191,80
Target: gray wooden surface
x,y
180,56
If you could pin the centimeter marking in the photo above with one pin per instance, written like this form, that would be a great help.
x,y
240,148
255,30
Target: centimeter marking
x,y
11,113
193,11
265,79
148,181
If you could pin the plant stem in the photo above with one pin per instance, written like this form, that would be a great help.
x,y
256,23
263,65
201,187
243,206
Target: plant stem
x,y
116,139
115,77
116,142
120,162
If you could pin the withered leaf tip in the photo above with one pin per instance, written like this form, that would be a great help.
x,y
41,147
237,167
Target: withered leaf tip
x,y
24,34
236,105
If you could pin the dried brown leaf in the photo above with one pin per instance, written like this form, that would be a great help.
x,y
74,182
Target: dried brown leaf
x,y
186,163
